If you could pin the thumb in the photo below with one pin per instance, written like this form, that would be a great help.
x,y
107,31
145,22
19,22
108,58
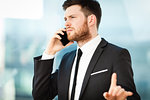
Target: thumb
x,y
106,95
71,42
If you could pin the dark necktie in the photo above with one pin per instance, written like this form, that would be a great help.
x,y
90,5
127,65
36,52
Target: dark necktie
x,y
76,72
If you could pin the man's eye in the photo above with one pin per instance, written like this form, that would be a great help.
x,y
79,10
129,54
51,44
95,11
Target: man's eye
x,y
72,17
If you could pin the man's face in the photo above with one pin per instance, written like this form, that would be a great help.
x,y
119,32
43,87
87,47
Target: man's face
x,y
76,24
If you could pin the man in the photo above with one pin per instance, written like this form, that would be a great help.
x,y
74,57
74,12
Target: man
x,y
103,71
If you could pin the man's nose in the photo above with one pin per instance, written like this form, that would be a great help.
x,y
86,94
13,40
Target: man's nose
x,y
67,24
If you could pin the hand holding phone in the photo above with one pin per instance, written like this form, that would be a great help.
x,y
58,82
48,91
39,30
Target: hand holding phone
x,y
64,39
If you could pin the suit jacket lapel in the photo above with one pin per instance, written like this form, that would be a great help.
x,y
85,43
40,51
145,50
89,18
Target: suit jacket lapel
x,y
92,64
68,67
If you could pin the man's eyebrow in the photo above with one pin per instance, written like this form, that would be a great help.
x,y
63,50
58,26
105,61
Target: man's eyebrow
x,y
65,18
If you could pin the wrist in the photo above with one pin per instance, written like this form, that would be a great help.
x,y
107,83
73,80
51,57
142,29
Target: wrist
x,y
49,52
46,56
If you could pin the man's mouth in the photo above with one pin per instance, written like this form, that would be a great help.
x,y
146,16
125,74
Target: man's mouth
x,y
69,30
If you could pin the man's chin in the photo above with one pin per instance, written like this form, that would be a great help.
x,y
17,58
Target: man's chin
x,y
70,39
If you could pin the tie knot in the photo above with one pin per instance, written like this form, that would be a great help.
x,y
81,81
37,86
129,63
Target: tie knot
x,y
79,53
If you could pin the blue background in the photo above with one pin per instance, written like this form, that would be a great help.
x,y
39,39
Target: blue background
x,y
124,23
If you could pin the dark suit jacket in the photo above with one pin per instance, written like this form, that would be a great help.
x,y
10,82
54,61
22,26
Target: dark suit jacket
x,y
107,57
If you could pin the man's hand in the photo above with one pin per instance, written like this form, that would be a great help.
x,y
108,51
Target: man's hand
x,y
55,44
116,92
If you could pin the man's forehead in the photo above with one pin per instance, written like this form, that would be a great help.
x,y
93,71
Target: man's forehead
x,y
74,9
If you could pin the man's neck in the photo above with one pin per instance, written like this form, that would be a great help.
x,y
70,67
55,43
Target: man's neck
x,y
82,42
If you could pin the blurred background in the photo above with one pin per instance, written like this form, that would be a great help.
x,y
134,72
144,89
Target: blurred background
x,y
27,25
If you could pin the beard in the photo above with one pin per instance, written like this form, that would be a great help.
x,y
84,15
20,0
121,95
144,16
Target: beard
x,y
82,34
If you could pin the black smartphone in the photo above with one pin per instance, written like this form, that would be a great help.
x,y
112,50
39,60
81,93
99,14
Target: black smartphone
x,y
64,39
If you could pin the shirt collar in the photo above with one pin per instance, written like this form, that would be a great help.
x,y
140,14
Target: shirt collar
x,y
91,45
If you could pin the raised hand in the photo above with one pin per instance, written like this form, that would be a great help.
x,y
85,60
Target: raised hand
x,y
116,92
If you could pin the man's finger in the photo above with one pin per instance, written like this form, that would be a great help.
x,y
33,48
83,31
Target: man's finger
x,y
129,93
113,80
126,94
106,95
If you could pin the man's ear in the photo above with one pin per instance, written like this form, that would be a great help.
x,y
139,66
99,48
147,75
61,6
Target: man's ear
x,y
91,20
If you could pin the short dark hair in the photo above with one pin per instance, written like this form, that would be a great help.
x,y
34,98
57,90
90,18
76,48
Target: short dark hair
x,y
88,7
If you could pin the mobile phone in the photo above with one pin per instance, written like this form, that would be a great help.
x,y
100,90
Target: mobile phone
x,y
64,39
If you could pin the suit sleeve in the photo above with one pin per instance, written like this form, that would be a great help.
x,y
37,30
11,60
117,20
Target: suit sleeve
x,y
122,66
44,83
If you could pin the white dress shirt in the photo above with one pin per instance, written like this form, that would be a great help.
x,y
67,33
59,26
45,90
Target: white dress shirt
x,y
88,50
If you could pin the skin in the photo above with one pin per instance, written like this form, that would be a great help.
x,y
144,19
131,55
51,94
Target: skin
x,y
116,92
83,29
79,28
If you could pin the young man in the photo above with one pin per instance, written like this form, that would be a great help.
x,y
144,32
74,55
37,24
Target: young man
x,y
102,72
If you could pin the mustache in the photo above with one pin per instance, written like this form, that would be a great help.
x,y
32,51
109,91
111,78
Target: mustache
x,y
69,28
